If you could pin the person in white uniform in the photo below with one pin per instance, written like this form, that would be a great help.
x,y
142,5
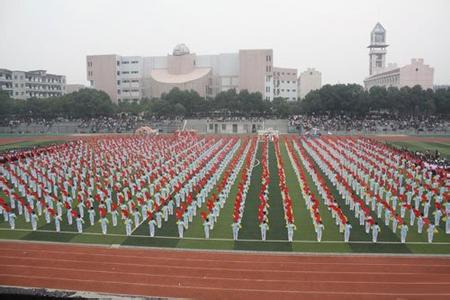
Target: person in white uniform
x,y
375,231
347,230
264,227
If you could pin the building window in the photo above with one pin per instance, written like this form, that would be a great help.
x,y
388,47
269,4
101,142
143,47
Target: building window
x,y
118,63
118,82
118,92
118,72
224,127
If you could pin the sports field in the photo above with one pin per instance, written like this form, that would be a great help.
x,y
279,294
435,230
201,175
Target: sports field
x,y
112,160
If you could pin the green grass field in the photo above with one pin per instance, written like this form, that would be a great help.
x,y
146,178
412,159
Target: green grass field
x,y
443,148
28,144
249,235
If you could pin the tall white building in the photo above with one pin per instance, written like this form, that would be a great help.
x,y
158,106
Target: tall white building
x,y
127,78
285,83
415,73
39,84
377,49
308,81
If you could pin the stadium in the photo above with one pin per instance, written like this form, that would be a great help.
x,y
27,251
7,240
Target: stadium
x,y
198,179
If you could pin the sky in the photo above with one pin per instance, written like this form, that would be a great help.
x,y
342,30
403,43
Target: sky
x,y
329,35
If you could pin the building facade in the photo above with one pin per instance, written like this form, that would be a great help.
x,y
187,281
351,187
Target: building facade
x,y
38,84
308,81
71,88
285,83
415,73
131,78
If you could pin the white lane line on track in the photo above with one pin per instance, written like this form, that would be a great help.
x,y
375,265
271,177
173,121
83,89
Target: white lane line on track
x,y
190,268
346,263
225,239
280,291
434,282
258,253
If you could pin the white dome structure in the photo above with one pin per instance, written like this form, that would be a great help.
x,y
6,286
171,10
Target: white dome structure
x,y
180,49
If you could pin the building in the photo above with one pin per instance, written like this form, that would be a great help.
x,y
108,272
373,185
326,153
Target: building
x,y
285,83
308,81
377,49
71,88
39,84
130,78
441,87
416,73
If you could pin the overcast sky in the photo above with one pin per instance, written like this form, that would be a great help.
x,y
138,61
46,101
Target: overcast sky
x,y
331,36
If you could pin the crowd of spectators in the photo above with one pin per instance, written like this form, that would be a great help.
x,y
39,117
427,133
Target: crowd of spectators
x,y
234,119
124,123
432,159
120,123
370,123
301,123
16,122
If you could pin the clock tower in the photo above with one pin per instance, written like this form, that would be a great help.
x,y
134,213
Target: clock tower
x,y
377,49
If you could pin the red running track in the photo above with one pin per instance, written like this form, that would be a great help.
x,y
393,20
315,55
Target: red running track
x,y
221,275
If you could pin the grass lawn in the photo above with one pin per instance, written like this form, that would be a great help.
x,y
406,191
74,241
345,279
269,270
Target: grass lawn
x,y
249,235
443,148
29,144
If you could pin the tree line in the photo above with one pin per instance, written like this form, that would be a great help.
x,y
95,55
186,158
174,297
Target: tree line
x,y
331,99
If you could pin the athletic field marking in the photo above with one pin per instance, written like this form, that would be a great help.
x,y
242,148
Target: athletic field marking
x,y
234,251
223,239
257,163
231,261
190,268
111,255
434,282
112,283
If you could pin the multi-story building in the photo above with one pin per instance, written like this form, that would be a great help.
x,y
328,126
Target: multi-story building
x,y
127,78
285,83
308,81
71,88
416,73
39,84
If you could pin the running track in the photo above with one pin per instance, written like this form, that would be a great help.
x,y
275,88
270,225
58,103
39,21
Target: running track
x,y
221,275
